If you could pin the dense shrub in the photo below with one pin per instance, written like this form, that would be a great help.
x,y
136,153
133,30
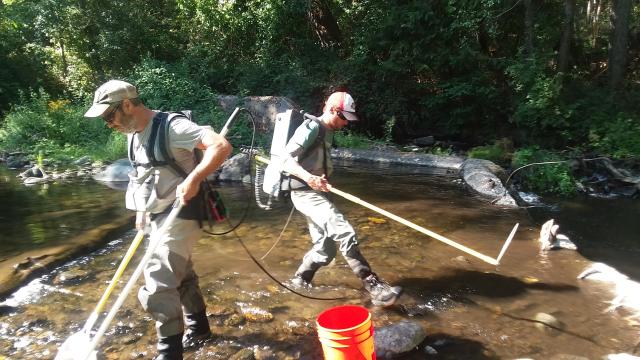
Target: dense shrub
x,y
499,152
543,171
57,128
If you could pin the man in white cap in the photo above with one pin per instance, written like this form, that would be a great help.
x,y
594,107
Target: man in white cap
x,y
309,163
171,289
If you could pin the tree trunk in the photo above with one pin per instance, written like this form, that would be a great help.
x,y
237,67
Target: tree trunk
x,y
528,28
619,40
567,34
595,25
65,66
324,24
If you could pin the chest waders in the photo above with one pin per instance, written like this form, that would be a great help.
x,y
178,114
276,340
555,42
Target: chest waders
x,y
80,345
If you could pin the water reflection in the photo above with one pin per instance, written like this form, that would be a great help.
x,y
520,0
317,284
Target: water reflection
x,y
49,214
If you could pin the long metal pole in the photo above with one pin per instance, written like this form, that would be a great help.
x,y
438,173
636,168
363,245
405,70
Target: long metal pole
x,y
416,227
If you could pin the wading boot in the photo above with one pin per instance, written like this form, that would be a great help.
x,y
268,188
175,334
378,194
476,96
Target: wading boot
x,y
198,331
302,280
169,348
382,294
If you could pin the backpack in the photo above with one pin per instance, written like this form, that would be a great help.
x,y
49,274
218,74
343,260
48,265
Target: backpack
x,y
276,182
208,201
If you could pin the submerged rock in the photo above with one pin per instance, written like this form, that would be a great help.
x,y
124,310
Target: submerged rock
x,y
72,277
398,338
548,323
255,314
244,354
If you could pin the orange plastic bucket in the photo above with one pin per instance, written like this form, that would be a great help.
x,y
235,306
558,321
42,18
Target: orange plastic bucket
x,y
346,333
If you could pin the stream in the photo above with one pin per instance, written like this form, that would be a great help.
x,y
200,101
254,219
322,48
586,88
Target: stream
x,y
468,308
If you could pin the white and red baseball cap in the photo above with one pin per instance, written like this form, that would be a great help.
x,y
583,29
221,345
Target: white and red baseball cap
x,y
343,102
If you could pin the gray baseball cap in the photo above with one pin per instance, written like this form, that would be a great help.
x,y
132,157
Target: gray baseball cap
x,y
108,93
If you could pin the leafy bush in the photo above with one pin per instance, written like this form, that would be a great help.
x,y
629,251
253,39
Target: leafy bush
x,y
170,87
499,152
550,178
620,138
351,139
58,129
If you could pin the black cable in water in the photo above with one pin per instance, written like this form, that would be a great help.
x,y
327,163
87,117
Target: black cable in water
x,y
506,183
246,209
244,215
278,281
281,233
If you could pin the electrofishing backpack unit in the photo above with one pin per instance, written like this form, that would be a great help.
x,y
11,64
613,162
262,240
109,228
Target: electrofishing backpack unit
x,y
207,203
275,181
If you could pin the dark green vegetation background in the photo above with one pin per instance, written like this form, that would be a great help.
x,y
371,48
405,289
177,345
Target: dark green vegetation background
x,y
558,76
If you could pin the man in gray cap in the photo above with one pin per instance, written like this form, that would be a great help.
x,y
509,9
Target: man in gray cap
x,y
171,294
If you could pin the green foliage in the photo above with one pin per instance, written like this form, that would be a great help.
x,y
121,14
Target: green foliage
x,y
24,63
554,178
349,139
170,87
493,153
55,128
499,152
451,69
440,151
619,137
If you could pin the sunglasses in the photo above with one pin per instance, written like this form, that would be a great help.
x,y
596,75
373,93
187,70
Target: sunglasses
x,y
341,115
108,118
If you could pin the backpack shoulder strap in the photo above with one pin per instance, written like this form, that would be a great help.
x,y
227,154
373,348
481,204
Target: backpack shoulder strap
x,y
317,142
149,148
158,124
130,154
163,142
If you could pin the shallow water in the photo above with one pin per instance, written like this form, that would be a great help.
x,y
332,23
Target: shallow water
x,y
469,309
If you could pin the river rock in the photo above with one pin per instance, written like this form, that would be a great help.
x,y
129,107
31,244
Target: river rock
x,y
72,277
35,180
264,109
244,354
234,320
264,353
33,171
450,163
481,176
116,172
396,339
235,168
424,141
16,161
298,326
548,323
255,314
83,161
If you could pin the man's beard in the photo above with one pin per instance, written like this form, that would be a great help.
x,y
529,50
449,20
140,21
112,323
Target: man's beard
x,y
127,124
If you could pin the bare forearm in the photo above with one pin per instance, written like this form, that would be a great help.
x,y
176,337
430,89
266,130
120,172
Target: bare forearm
x,y
216,151
315,182
292,167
